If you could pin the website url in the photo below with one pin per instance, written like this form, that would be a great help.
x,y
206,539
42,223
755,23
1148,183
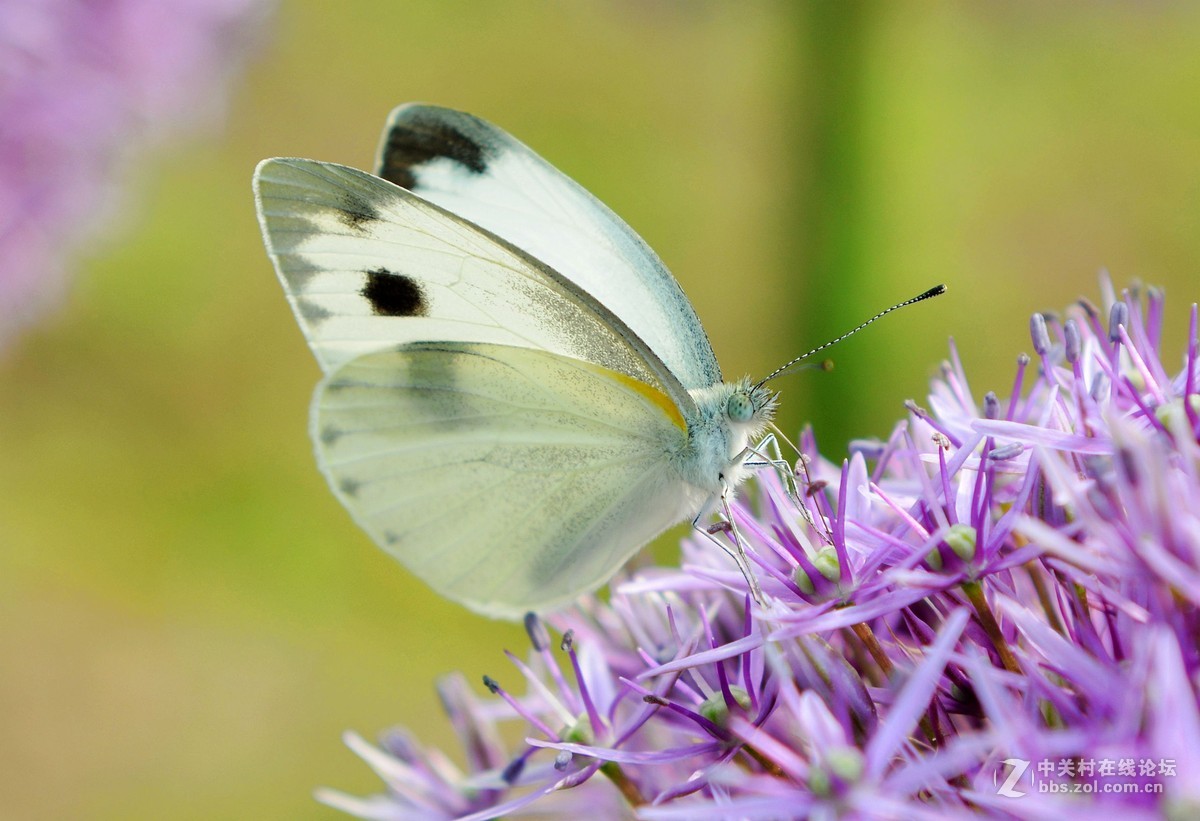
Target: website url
x,y
1098,787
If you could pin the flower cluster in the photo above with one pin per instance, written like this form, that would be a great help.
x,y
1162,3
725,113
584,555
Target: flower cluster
x,y
84,87
994,612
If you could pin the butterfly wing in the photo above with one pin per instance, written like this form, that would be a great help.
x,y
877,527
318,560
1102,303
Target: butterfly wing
x,y
367,264
507,478
480,172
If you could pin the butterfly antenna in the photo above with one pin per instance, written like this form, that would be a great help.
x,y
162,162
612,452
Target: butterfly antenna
x,y
937,290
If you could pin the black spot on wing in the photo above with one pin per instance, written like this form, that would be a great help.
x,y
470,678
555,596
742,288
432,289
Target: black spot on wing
x,y
356,211
416,142
392,294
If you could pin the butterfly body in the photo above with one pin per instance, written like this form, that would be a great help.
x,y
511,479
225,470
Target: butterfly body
x,y
517,394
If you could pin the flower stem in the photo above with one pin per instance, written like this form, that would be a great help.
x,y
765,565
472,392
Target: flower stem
x,y
622,782
767,764
990,626
867,636
1043,594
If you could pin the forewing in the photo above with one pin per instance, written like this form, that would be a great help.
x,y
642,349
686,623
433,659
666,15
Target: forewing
x,y
476,170
508,479
367,264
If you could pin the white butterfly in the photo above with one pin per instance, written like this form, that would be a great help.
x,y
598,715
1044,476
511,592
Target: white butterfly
x,y
517,394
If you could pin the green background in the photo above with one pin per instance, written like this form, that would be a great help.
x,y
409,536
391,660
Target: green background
x,y
188,620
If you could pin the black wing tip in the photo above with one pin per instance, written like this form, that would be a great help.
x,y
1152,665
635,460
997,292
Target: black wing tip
x,y
417,134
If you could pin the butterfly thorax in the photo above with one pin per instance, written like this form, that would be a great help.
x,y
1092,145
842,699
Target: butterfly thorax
x,y
729,416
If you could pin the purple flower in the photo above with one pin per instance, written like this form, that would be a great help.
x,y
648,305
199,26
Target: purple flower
x,y
84,88
996,612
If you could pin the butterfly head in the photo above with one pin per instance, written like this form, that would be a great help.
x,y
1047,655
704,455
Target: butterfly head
x,y
749,407
731,415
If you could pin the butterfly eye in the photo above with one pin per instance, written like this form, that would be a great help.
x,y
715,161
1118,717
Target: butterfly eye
x,y
739,408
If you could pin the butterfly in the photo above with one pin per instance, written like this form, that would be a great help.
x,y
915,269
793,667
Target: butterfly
x,y
517,394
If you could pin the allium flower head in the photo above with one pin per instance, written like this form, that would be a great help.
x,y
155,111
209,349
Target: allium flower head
x,y
993,612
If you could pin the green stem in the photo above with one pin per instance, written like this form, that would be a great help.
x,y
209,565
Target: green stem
x,y
628,789
767,764
867,636
983,613
1043,594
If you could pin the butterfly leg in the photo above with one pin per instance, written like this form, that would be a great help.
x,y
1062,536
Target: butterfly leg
x,y
743,561
726,525
766,454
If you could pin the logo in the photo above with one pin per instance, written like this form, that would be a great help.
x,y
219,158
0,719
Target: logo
x,y
1007,789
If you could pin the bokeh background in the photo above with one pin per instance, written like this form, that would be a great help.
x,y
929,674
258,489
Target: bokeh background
x,y
188,620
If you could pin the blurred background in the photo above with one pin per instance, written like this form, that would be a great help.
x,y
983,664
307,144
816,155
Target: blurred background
x,y
188,620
